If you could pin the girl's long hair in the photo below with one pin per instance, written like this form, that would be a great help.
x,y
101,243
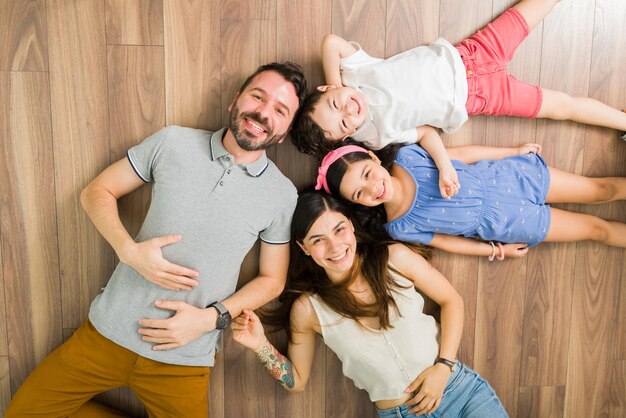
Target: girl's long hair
x,y
306,277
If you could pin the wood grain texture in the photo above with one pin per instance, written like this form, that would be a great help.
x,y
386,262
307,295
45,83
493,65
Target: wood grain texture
x,y
462,272
497,348
402,29
23,35
5,384
617,397
4,337
136,90
548,331
595,297
248,10
254,36
348,17
192,63
78,96
300,43
541,401
138,22
28,222
251,391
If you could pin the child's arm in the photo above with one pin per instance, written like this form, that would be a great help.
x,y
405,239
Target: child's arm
x,y
292,373
469,246
429,139
334,48
469,154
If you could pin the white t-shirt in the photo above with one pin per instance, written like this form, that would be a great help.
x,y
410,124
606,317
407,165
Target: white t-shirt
x,y
425,85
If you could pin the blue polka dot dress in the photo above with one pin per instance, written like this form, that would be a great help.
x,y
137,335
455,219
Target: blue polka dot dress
x,y
501,200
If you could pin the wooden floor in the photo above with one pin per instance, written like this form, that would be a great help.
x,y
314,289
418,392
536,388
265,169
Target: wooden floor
x,y
83,80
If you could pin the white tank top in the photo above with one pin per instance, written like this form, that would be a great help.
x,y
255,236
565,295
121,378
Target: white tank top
x,y
383,362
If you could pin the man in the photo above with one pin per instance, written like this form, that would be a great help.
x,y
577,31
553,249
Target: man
x,y
155,326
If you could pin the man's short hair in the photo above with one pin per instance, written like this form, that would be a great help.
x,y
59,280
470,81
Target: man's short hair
x,y
289,71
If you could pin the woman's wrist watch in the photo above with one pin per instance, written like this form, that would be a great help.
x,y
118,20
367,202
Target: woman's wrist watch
x,y
223,316
451,364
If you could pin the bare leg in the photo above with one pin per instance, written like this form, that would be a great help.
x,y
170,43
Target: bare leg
x,y
561,106
535,10
570,226
571,188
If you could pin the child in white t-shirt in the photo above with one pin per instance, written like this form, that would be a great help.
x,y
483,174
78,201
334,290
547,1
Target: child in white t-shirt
x,y
400,99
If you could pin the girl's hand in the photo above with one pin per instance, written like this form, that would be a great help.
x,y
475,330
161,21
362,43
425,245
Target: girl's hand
x,y
531,147
429,385
517,250
248,331
448,182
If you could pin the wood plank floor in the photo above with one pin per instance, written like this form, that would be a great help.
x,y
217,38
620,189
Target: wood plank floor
x,y
83,80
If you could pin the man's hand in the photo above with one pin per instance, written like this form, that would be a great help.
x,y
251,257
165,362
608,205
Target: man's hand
x,y
187,325
147,259
448,182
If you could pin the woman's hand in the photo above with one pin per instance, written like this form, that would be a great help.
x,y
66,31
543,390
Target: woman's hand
x,y
530,147
428,389
248,330
448,182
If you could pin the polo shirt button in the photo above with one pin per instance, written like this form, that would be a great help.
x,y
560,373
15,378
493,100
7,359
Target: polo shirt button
x,y
228,171
227,158
221,183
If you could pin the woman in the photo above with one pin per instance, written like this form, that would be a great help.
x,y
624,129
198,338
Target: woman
x,y
360,293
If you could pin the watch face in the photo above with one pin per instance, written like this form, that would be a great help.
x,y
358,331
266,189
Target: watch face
x,y
223,321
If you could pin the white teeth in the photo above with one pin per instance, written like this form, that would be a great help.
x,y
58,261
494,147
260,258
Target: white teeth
x,y
340,257
255,125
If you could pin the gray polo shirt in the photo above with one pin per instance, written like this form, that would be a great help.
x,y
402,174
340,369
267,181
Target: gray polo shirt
x,y
220,209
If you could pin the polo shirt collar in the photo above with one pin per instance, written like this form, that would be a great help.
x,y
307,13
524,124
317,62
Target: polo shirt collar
x,y
255,168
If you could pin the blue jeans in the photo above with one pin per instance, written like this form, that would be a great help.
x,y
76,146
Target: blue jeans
x,y
467,395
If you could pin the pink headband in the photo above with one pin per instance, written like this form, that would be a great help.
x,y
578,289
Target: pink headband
x,y
329,159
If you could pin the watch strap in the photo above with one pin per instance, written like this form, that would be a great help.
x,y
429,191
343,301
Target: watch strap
x,y
447,362
221,309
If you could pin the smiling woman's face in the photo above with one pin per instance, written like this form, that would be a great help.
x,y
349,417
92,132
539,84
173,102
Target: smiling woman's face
x,y
331,243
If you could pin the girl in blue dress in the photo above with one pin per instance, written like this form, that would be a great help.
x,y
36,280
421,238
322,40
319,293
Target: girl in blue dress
x,y
503,200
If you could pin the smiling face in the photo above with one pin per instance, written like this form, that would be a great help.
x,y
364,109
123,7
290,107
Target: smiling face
x,y
261,114
340,111
331,243
367,183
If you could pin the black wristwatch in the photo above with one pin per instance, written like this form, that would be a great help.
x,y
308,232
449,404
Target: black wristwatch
x,y
223,319
450,363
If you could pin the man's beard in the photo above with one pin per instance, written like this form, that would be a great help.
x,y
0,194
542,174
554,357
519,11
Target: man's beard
x,y
244,139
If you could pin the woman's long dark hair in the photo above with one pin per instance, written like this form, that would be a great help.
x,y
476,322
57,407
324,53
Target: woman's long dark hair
x,y
306,277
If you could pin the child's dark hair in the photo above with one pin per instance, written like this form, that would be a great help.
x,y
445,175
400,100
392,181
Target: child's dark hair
x,y
307,135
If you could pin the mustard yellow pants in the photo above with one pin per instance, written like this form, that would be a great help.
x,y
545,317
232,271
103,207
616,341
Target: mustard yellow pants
x,y
89,363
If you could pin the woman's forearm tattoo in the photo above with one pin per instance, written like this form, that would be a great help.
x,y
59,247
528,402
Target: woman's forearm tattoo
x,y
278,366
